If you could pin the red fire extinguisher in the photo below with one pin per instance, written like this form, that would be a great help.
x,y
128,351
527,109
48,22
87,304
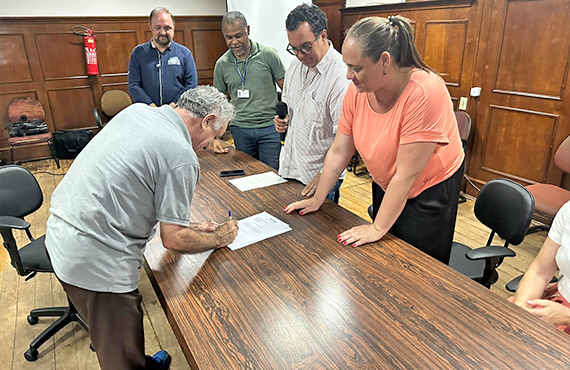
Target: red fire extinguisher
x,y
90,48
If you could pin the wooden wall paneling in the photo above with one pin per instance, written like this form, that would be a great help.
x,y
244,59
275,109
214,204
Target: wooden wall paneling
x,y
530,33
114,51
50,63
206,77
207,44
524,108
444,48
455,102
61,55
79,114
534,133
14,59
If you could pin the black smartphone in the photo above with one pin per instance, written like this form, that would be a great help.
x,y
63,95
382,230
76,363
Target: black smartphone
x,y
232,173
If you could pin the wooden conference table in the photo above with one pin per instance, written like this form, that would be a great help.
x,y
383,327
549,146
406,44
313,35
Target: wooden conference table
x,y
301,300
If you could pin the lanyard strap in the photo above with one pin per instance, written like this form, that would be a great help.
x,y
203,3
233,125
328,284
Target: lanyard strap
x,y
242,75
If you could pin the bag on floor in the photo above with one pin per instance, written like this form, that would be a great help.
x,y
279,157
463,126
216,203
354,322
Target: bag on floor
x,y
26,117
69,143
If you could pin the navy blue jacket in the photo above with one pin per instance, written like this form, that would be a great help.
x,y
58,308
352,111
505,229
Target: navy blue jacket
x,y
161,78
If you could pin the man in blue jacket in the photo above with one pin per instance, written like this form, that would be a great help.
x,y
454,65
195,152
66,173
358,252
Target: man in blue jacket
x,y
161,70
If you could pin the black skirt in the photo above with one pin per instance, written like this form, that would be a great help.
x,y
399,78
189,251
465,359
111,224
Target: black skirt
x,y
428,220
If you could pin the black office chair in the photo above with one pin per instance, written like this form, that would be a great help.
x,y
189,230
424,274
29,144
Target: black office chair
x,y
20,195
464,126
506,208
513,285
353,163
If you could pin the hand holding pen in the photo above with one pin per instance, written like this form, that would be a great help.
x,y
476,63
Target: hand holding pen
x,y
227,232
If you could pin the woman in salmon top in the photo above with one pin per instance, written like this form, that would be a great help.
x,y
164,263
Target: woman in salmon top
x,y
399,116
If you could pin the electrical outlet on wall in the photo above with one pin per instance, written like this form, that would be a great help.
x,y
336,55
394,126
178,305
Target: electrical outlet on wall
x,y
463,103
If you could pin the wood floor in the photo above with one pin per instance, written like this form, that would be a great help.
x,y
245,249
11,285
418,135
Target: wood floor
x,y
70,348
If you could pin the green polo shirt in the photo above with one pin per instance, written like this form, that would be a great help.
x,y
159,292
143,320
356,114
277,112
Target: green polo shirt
x,y
263,68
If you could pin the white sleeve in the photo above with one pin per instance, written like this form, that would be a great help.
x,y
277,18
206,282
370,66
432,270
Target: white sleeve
x,y
561,219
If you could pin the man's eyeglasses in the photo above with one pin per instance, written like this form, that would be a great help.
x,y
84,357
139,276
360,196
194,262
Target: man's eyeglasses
x,y
305,49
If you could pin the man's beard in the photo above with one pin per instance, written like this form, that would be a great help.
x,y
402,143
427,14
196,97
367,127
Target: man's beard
x,y
162,40
242,50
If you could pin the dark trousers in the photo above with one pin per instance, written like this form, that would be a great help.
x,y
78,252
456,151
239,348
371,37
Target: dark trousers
x,y
115,323
428,220
260,143
334,194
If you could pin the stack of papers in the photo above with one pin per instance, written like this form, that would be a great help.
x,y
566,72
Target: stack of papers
x,y
260,180
257,228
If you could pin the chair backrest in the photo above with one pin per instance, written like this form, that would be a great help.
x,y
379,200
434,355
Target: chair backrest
x,y
29,107
20,193
464,126
506,208
562,156
113,101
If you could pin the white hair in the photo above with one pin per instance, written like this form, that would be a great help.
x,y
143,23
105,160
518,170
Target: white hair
x,y
204,100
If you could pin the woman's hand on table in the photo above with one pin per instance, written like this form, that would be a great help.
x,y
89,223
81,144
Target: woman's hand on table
x,y
304,206
361,235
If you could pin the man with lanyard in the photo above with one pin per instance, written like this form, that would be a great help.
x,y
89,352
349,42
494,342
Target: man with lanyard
x,y
314,88
247,73
161,70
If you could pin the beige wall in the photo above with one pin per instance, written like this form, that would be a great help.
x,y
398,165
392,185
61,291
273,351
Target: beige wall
x,y
41,8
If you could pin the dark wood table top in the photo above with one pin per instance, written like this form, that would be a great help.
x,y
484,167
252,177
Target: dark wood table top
x,y
302,300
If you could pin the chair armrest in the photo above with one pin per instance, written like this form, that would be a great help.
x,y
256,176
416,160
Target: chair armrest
x,y
13,223
489,252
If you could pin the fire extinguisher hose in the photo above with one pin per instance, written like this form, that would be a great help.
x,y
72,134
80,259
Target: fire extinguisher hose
x,y
81,31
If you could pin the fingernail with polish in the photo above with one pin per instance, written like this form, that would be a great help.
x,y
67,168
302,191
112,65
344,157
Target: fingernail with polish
x,y
344,243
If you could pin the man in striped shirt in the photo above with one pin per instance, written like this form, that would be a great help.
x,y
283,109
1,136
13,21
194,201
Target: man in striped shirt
x,y
315,84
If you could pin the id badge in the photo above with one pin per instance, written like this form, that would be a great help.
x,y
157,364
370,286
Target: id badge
x,y
243,94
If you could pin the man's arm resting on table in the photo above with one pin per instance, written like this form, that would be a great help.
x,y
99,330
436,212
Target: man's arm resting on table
x,y
193,240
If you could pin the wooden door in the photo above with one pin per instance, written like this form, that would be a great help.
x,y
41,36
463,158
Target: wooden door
x,y
523,112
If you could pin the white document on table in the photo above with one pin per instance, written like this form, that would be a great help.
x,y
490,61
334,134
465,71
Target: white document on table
x,y
256,228
260,180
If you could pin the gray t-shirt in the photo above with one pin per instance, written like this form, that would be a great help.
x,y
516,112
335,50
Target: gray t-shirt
x,y
139,170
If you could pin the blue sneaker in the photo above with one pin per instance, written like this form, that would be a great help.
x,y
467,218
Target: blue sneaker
x,y
162,360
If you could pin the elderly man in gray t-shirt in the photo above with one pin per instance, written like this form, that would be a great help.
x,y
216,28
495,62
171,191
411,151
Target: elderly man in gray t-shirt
x,y
141,169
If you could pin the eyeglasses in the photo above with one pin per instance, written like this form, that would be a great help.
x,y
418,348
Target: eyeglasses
x,y
305,50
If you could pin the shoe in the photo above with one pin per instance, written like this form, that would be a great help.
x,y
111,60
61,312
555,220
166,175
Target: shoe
x,y
162,360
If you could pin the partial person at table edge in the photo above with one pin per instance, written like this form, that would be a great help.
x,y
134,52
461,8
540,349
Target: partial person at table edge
x,y
398,114
549,303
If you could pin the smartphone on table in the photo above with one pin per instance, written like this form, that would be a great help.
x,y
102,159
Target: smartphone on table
x,y
229,173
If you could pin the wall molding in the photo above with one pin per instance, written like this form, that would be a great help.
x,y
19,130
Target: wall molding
x,y
98,19
415,5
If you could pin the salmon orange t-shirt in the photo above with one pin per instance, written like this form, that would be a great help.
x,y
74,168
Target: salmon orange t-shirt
x,y
423,113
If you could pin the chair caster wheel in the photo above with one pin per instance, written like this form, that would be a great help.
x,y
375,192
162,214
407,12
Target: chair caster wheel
x,y
91,347
31,354
32,320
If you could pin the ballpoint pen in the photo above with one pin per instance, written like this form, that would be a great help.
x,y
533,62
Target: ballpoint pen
x,y
230,214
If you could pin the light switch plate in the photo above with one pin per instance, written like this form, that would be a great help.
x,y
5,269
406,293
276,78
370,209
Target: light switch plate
x,y
462,103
